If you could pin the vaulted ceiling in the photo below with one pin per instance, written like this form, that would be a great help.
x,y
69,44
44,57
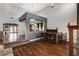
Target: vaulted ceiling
x,y
17,9
32,7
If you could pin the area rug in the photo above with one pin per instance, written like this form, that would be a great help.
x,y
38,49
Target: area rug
x,y
6,52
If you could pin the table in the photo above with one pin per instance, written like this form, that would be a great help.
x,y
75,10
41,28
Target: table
x,y
50,36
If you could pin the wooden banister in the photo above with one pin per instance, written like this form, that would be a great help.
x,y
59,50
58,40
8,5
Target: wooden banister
x,y
71,28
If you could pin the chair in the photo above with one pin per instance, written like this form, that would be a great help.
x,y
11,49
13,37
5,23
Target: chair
x,y
52,37
45,35
62,37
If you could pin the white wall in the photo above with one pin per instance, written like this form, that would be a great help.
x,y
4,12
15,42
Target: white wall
x,y
21,26
60,15
7,11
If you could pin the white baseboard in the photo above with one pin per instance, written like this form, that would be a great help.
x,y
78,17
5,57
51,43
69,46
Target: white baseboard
x,y
35,39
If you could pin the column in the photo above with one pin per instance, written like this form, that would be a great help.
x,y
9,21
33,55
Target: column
x,y
70,42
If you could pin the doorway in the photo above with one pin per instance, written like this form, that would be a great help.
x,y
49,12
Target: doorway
x,y
10,32
13,33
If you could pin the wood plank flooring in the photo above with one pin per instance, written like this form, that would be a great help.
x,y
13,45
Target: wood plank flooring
x,y
40,48
13,44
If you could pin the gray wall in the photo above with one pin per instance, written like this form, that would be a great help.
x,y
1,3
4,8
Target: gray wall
x,y
29,35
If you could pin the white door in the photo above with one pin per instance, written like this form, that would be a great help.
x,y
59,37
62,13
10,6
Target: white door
x,y
13,34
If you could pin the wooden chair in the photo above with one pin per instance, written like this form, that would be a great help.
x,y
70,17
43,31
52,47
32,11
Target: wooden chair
x,y
45,36
51,37
62,37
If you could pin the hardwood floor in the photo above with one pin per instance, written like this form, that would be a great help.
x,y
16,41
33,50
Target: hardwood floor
x,y
13,44
40,48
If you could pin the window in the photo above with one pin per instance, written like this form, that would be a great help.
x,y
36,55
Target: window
x,y
36,25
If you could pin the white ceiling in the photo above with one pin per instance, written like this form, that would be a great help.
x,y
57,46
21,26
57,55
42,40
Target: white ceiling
x,y
33,7
15,10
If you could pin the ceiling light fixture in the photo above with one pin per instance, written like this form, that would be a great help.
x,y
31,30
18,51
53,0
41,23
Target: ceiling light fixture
x,y
52,5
